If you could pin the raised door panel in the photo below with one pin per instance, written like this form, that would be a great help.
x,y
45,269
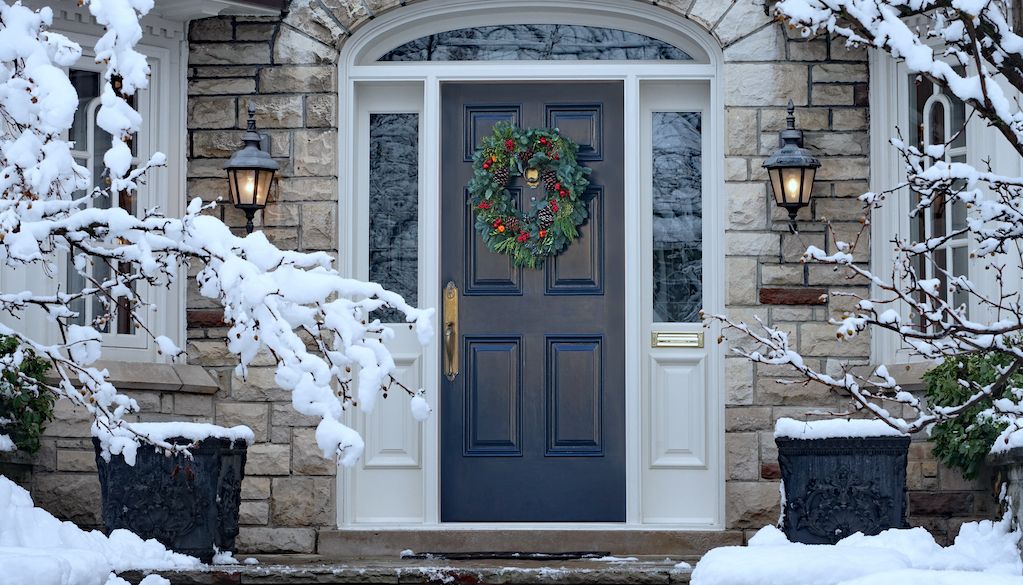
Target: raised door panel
x,y
678,413
493,397
575,395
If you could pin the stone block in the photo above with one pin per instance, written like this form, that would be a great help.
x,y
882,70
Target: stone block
x,y
747,206
844,169
849,119
319,226
298,79
819,339
838,209
773,120
276,111
293,47
835,143
840,72
285,415
268,459
306,189
841,50
751,504
253,539
752,243
742,280
707,12
210,353
67,496
767,44
742,456
212,112
306,456
254,31
321,111
765,84
736,169
255,488
782,391
254,415
69,460
742,19
215,143
254,513
211,29
945,504
228,53
739,381
741,129
302,501
222,86
752,418
193,404
781,274
807,50
316,153
258,385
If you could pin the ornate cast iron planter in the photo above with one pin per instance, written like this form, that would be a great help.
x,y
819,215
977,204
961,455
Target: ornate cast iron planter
x,y
839,486
189,505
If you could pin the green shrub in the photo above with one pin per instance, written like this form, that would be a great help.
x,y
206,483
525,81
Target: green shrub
x,y
963,442
25,408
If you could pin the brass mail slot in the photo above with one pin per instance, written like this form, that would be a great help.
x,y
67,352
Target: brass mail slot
x,y
676,339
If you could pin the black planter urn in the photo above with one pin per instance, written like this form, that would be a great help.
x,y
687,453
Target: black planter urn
x,y
189,505
835,487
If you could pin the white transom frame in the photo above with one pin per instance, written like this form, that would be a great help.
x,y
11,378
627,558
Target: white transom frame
x,y
355,79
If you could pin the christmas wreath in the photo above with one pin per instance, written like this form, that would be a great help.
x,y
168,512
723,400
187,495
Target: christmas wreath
x,y
540,155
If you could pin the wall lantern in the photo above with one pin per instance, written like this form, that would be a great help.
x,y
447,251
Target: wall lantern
x,y
792,170
250,173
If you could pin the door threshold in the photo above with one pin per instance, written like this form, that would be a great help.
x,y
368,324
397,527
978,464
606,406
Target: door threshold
x,y
383,543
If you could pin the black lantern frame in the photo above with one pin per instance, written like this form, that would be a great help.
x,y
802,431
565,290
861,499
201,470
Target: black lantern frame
x,y
250,173
792,170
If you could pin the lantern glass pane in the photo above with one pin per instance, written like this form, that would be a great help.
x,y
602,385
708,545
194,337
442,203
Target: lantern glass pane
x,y
792,184
808,175
264,179
779,194
232,177
244,185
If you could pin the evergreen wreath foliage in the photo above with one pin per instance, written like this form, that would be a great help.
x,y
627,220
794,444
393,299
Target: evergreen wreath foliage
x,y
551,222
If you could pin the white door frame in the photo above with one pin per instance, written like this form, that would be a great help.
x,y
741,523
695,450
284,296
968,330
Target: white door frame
x,y
410,22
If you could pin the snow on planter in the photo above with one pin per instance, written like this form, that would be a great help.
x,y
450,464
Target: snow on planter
x,y
835,428
36,548
189,501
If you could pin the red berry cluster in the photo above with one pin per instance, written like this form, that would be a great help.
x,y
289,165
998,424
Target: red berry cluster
x,y
561,192
509,144
553,205
483,205
523,237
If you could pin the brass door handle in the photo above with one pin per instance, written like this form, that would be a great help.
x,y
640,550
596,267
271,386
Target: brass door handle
x,y
450,331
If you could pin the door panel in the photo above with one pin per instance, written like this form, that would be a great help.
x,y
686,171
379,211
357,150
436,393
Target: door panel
x,y
533,428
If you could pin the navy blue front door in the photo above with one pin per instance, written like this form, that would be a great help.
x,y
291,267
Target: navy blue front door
x,y
533,426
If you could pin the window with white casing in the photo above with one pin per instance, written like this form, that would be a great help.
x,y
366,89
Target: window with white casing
x,y
923,114
161,107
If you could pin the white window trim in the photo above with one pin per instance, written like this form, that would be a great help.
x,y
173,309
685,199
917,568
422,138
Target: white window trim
x,y
889,100
164,110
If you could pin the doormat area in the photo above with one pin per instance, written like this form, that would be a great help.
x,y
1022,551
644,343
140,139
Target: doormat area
x,y
526,556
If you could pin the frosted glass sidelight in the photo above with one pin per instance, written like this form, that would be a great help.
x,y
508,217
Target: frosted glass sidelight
x,y
536,42
394,207
678,217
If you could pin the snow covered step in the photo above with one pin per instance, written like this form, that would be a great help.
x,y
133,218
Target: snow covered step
x,y
348,544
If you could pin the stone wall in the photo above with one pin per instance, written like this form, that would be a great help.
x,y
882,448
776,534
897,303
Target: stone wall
x,y
286,69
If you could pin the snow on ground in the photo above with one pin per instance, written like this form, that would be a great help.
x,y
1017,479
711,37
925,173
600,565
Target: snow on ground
x,y
984,553
38,549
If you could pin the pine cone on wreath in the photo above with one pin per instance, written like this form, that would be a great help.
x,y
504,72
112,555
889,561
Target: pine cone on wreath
x,y
525,155
550,179
545,218
501,175
512,223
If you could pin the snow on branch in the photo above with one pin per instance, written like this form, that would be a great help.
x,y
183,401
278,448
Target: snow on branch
x,y
967,48
314,322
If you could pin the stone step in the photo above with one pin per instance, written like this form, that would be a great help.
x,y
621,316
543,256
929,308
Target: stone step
x,y
313,570
354,544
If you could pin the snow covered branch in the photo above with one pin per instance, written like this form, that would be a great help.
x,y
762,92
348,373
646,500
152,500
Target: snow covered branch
x,y
968,49
314,322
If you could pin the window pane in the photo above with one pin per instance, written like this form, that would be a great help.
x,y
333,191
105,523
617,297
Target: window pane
x,y
960,267
394,207
536,42
678,216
